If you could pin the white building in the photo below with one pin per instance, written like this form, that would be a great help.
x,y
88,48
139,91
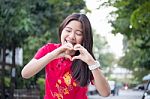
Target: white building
x,y
18,56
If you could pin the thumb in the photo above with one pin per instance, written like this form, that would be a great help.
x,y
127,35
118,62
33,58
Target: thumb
x,y
75,57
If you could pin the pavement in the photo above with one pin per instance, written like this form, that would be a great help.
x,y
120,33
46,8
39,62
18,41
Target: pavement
x,y
123,94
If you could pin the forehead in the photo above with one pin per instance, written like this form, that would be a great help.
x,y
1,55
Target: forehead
x,y
74,24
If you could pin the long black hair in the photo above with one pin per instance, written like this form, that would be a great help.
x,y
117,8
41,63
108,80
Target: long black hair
x,y
79,69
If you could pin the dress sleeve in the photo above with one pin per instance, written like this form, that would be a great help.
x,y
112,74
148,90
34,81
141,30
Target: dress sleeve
x,y
44,50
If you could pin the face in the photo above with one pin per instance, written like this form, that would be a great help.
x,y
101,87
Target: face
x,y
72,33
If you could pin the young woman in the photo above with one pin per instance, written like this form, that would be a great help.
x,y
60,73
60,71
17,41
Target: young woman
x,y
70,66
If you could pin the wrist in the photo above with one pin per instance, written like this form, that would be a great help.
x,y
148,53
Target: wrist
x,y
94,66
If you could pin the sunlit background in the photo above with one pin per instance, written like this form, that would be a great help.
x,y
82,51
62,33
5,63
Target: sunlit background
x,y
121,43
99,19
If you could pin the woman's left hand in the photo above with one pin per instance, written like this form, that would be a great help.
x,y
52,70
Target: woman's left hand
x,y
84,55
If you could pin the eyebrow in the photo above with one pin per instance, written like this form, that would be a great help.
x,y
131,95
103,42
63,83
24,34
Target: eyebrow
x,y
76,30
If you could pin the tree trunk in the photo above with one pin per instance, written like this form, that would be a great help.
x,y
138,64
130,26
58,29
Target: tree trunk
x,y
13,73
3,73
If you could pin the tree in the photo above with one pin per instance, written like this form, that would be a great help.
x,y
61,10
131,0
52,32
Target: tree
x,y
132,20
14,28
29,20
106,58
48,15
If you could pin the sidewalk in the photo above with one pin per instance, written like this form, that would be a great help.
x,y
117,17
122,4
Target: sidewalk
x,y
123,94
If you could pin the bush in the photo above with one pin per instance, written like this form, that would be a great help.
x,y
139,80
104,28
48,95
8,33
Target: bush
x,y
41,84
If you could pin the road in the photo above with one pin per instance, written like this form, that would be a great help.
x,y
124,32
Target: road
x,y
123,94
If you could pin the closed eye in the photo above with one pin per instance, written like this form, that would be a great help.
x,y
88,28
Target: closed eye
x,y
79,33
68,30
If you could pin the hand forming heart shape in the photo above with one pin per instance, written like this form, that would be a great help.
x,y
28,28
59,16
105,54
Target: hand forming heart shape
x,y
71,50
68,51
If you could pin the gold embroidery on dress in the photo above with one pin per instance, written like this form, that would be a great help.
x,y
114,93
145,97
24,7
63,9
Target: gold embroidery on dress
x,y
67,78
59,96
66,89
74,84
59,81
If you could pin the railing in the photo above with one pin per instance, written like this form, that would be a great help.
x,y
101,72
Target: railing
x,y
26,94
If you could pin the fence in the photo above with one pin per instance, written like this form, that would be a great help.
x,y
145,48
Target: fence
x,y
26,94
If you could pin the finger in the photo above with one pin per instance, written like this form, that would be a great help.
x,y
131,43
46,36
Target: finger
x,y
68,56
78,47
69,51
75,57
69,46
65,47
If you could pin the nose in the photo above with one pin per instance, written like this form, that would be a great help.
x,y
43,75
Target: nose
x,y
72,35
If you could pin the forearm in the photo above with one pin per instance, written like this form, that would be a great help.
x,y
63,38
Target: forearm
x,y
36,65
100,82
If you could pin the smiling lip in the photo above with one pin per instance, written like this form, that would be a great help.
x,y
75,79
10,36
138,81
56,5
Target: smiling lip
x,y
69,42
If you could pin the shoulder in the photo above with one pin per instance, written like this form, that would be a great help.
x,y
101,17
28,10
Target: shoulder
x,y
46,49
51,46
55,45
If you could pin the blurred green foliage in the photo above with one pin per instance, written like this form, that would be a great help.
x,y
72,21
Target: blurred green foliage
x,y
106,58
29,24
41,83
132,20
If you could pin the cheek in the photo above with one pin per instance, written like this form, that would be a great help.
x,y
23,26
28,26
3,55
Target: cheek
x,y
79,40
63,36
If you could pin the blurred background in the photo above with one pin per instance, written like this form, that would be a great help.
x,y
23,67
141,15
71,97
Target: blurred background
x,y
121,43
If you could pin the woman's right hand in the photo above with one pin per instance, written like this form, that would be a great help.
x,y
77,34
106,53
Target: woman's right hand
x,y
36,65
65,50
